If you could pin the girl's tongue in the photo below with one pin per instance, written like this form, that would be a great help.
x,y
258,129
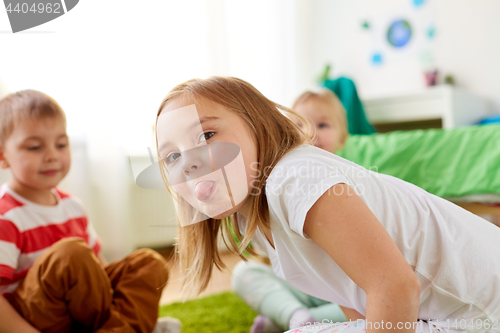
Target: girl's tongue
x,y
203,189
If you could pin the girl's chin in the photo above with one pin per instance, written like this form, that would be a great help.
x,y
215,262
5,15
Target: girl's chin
x,y
223,215
218,214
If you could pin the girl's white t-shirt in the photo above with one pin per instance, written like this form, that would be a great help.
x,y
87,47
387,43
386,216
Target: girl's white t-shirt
x,y
454,253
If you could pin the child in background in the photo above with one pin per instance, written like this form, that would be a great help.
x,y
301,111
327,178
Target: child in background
x,y
404,258
281,306
328,117
52,275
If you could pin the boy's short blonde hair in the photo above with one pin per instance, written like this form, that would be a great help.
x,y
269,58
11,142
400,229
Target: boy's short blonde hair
x,y
26,104
338,111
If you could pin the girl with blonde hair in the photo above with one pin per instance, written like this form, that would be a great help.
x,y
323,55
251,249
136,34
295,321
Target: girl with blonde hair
x,y
401,257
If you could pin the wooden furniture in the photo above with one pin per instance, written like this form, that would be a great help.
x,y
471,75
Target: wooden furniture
x,y
451,106
483,209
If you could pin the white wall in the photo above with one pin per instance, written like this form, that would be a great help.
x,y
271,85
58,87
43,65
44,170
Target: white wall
x,y
260,41
467,45
109,70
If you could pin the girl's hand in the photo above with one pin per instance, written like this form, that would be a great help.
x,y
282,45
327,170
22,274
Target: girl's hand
x,y
357,241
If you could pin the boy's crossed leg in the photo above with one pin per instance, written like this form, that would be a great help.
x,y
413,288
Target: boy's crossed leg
x,y
67,285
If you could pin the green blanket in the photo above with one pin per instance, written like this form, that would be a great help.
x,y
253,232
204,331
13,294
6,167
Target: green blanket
x,y
448,163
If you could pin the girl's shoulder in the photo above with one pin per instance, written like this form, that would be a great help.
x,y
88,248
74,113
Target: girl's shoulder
x,y
297,181
309,163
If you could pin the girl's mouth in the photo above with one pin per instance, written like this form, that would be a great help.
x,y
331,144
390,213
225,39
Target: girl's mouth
x,y
204,189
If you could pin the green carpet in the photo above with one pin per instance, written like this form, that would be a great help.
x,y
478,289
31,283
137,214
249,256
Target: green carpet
x,y
224,312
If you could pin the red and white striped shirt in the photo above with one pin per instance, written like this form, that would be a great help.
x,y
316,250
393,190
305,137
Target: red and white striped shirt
x,y
27,229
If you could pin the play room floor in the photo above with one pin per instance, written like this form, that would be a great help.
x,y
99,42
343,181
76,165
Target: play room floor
x,y
221,281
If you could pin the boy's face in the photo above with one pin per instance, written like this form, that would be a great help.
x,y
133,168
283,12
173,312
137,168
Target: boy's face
x,y
326,128
37,153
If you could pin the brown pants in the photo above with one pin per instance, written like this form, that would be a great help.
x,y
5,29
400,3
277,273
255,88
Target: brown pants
x,y
68,290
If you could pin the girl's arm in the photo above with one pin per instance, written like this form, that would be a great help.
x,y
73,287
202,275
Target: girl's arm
x,y
351,314
11,321
360,245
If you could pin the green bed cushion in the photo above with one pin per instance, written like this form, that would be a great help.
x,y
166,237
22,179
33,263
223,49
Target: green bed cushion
x,y
448,163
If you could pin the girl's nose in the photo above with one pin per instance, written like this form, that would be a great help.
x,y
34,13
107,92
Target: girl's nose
x,y
188,170
192,163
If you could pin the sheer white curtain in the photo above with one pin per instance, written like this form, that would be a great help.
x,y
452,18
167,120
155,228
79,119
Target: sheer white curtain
x,y
262,42
109,64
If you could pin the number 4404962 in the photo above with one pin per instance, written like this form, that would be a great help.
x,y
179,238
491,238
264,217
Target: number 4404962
x,y
40,8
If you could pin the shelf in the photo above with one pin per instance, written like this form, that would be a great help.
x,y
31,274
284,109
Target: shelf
x,y
454,107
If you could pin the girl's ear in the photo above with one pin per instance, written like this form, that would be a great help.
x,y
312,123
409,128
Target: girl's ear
x,y
3,162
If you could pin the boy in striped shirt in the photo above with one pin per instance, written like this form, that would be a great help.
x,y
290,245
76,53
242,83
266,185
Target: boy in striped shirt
x,y
52,275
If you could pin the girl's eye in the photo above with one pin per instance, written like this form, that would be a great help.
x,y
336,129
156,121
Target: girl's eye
x,y
172,157
33,147
207,135
62,145
323,125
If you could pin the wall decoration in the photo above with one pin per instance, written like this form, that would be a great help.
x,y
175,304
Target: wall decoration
x,y
403,32
399,33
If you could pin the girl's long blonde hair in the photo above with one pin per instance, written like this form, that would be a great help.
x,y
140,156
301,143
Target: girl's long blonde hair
x,y
275,135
